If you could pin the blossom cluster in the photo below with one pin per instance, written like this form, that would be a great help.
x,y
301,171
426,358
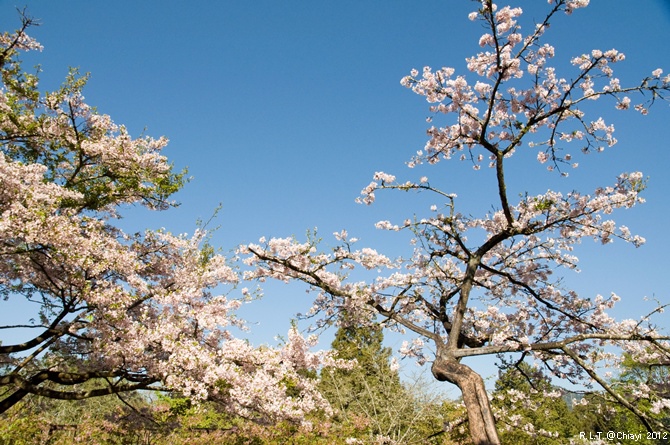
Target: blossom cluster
x,y
493,113
140,310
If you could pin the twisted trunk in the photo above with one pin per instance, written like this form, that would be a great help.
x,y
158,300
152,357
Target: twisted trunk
x,y
480,417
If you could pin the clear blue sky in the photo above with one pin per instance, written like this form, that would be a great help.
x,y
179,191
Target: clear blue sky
x,y
282,112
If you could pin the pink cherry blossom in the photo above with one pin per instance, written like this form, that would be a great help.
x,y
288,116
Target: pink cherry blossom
x,y
492,284
118,311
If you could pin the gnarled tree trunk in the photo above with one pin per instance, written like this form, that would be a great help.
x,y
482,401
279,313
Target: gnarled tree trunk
x,y
480,417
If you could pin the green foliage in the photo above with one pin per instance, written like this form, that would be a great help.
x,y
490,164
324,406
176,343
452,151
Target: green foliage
x,y
525,412
371,402
102,420
16,428
543,204
520,401
373,370
362,394
603,413
28,116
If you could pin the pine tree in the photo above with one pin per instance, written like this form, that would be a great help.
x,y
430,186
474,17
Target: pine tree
x,y
370,398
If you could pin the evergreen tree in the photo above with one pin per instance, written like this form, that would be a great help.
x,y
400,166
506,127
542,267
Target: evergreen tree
x,y
370,397
373,376
362,395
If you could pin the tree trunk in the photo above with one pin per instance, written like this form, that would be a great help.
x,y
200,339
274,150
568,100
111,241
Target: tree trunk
x,y
480,417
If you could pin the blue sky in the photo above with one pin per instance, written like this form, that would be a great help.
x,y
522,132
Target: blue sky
x,y
282,112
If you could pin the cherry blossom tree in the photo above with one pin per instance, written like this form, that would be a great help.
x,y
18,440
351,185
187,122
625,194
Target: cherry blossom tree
x,y
114,311
489,285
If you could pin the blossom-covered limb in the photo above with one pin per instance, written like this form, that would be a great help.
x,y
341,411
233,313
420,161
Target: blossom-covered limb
x,y
115,311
